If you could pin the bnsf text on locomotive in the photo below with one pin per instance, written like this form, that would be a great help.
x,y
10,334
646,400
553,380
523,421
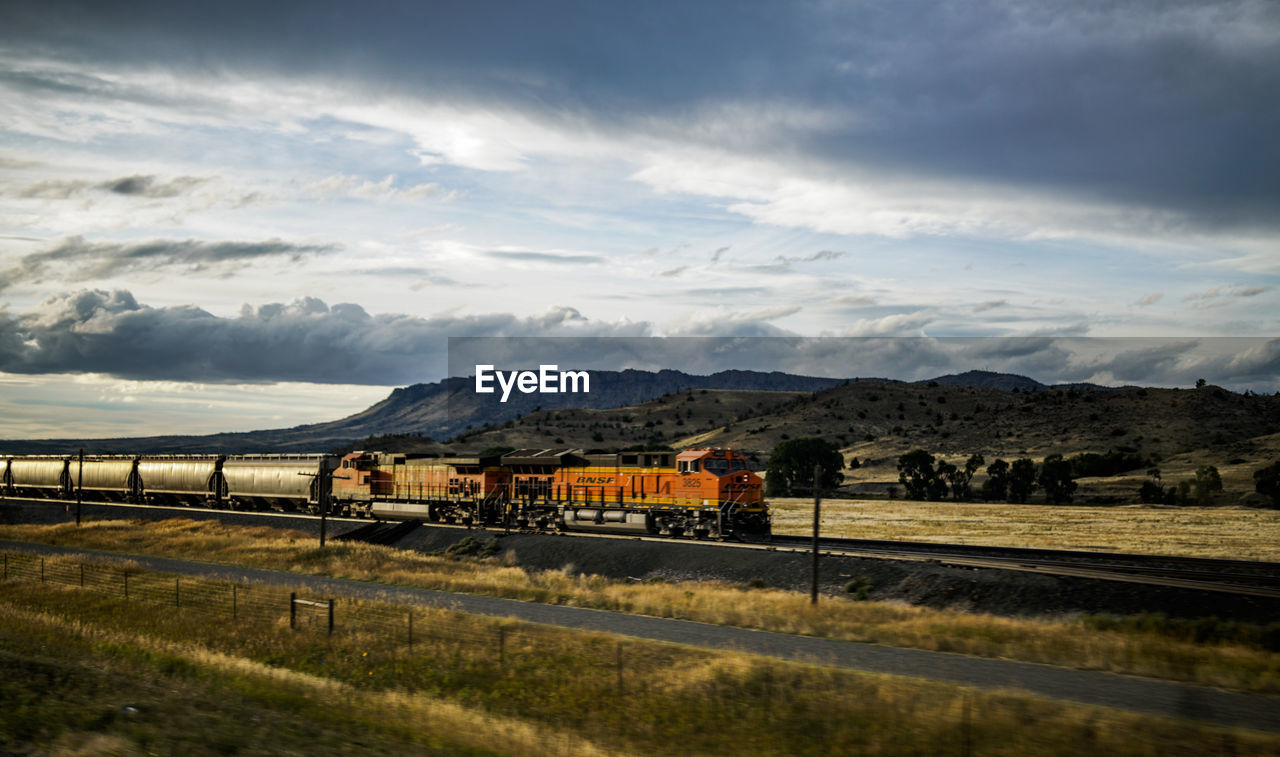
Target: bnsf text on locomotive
x,y
548,379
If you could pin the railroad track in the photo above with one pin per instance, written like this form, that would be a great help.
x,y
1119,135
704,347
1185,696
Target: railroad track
x,y
1212,574
1260,579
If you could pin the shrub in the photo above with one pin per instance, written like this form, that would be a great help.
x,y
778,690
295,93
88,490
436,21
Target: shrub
x,y
1266,481
859,588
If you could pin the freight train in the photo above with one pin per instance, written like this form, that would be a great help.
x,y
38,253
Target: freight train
x,y
702,493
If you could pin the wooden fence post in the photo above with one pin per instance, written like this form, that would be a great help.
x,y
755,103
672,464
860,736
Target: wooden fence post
x,y
331,617
293,609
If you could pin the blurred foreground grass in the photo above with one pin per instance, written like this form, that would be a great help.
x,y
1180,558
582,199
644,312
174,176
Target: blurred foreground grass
x,y
87,672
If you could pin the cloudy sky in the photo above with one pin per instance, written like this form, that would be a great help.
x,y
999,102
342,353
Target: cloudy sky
x,y
225,216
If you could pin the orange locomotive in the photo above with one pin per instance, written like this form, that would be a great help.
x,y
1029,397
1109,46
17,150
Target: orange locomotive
x,y
698,492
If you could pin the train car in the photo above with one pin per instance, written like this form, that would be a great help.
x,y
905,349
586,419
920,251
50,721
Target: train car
x,y
181,479
702,492
284,482
38,477
112,478
445,489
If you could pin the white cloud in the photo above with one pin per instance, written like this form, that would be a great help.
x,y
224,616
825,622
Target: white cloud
x,y
901,324
96,405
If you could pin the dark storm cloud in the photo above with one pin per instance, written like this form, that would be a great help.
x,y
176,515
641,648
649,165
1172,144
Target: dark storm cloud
x,y
1164,105
94,331
1228,361
308,340
74,259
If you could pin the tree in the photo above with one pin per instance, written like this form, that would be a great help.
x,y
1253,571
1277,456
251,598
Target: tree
x,y
947,475
1022,480
1151,492
791,466
961,489
918,477
1055,478
1207,483
1182,496
1266,481
996,487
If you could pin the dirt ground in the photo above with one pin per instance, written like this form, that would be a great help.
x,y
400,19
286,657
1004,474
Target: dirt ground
x,y
1000,592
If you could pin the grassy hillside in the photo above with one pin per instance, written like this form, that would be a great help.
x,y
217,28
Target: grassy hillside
x,y
876,421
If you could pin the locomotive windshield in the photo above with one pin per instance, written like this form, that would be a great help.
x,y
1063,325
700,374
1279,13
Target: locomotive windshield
x,y
721,467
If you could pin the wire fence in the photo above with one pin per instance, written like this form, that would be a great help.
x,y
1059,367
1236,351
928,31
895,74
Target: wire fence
x,y
386,626
477,650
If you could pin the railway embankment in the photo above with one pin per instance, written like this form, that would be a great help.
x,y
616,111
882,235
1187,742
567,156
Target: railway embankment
x,y
922,583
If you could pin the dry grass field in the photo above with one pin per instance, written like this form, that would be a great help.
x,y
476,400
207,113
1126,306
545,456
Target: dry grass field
x,y
85,671
1242,660
1230,532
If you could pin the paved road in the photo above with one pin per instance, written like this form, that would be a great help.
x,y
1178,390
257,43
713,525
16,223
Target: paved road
x,y
1182,701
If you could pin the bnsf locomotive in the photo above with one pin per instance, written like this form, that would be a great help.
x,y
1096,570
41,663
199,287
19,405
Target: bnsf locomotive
x,y
698,492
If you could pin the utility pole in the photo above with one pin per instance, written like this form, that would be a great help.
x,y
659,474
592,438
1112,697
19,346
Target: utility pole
x,y
324,488
324,491
817,510
79,487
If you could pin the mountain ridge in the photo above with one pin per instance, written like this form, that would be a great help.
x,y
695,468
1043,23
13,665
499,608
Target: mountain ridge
x,y
444,409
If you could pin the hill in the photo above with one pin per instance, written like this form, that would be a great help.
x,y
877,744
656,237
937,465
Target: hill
x,y
440,410
874,420
878,420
